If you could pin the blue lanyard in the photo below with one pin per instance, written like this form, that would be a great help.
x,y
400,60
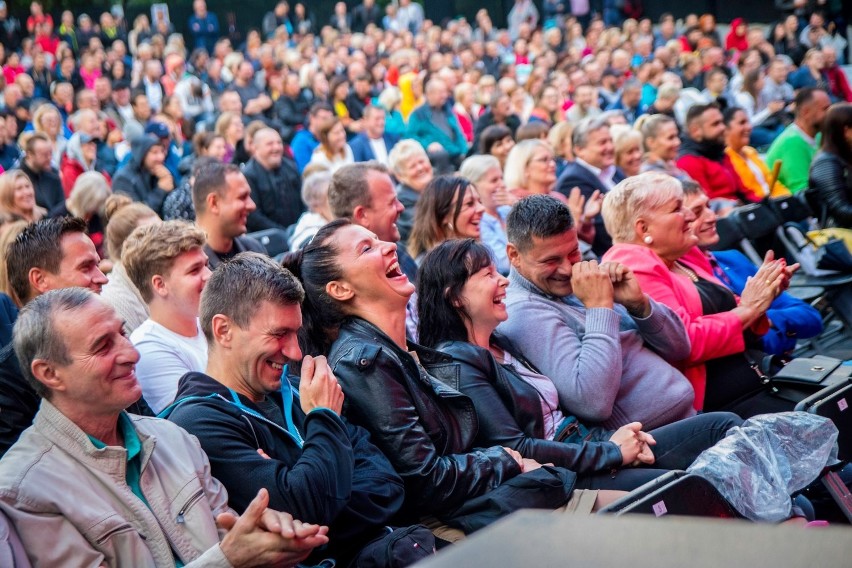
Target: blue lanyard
x,y
287,407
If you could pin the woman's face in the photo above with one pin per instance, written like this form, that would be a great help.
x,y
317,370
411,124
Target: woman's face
x,y
466,224
341,91
491,188
235,129
370,267
217,148
704,226
24,197
337,138
630,158
550,99
51,124
670,228
738,131
541,169
90,151
501,148
417,171
482,298
666,143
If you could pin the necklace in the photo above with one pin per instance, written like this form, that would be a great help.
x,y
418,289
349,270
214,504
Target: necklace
x,y
688,272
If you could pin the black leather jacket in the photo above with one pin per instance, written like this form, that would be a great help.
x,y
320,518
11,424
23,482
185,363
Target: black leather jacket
x,y
509,412
831,178
426,429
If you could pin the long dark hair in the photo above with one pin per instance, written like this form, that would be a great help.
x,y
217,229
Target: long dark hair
x,y
837,119
442,275
315,266
434,205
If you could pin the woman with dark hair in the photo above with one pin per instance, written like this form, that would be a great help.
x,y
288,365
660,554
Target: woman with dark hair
x,y
497,140
449,208
354,311
461,302
831,171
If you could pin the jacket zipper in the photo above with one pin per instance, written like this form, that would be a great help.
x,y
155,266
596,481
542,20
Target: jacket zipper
x,y
116,530
192,501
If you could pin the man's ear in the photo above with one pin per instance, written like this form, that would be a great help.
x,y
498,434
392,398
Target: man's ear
x,y
212,202
45,373
222,328
158,285
359,215
514,255
340,291
39,279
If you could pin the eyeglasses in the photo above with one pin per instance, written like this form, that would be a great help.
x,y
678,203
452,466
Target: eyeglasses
x,y
544,160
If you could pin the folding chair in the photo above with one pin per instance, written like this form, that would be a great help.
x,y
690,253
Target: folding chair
x,y
675,493
276,241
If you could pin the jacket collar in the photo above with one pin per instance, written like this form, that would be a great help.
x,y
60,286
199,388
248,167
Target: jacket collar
x,y
112,460
426,355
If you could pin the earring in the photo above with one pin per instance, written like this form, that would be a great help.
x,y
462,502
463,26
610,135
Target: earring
x,y
450,227
648,239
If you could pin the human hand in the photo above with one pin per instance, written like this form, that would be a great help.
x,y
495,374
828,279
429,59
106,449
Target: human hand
x,y
576,204
762,288
261,536
593,205
434,147
633,442
165,181
530,465
515,456
776,106
626,289
592,286
318,386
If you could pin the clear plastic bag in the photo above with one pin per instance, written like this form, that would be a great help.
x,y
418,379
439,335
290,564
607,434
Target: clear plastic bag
x,y
757,466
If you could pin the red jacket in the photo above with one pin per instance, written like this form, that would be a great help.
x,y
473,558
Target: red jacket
x,y
70,170
837,83
717,178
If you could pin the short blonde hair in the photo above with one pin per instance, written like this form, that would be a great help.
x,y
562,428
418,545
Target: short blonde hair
x,y
402,152
89,194
557,135
475,167
518,159
152,249
224,121
633,198
623,136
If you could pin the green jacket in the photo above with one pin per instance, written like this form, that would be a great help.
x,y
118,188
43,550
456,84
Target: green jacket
x,y
422,129
795,154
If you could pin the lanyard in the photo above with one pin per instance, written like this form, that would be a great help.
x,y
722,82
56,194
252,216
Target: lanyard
x,y
286,411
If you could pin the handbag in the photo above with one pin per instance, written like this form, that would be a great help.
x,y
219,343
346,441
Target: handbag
x,y
397,548
810,372
547,487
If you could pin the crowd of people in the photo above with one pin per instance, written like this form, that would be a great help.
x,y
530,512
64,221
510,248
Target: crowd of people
x,y
265,297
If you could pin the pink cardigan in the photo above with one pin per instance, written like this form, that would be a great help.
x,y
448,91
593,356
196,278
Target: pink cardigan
x,y
711,336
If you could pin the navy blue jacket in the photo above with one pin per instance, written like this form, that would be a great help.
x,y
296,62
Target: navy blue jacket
x,y
363,152
336,478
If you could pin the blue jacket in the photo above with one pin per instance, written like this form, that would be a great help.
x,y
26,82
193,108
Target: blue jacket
x,y
363,152
326,471
303,145
791,318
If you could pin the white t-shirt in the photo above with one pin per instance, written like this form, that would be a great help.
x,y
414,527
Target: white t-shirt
x,y
164,357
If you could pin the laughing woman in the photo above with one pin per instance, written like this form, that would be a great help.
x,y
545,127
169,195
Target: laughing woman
x,y
653,236
461,301
356,294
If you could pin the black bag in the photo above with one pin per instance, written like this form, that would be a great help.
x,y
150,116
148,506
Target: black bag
x,y
547,487
397,548
834,255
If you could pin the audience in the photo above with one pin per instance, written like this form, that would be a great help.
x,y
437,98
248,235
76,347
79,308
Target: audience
x,y
37,165
18,197
831,170
485,174
274,183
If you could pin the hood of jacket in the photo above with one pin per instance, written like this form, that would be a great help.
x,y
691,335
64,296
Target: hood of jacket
x,y
139,147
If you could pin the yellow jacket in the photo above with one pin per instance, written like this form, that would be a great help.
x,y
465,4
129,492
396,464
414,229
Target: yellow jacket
x,y
756,184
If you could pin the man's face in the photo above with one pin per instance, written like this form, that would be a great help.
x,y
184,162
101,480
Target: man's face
x,y
246,72
778,72
717,82
39,158
103,90
100,378
384,210
374,123
121,97
155,157
185,281
78,267
235,205
261,349
437,94
142,109
816,109
599,150
269,150
712,126
632,96
548,262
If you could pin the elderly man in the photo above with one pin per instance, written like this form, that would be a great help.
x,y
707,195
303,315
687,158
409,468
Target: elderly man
x,y
609,346
259,433
436,127
143,494
593,169
48,255
275,183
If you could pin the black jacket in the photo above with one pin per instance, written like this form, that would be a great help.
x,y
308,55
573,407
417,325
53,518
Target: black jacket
x,y
427,429
47,185
291,113
18,401
277,194
336,478
831,179
509,413
409,198
576,175
134,180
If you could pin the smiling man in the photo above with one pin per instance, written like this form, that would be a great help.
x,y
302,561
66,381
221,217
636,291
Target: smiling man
x,y
260,433
222,199
167,264
142,490
608,344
